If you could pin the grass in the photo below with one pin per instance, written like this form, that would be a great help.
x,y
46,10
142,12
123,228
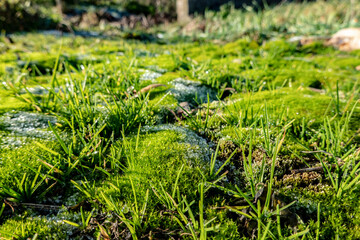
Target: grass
x,y
249,138
320,18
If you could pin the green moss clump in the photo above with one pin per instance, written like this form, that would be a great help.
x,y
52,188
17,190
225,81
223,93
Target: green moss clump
x,y
160,107
167,77
286,102
8,102
316,47
14,162
278,48
164,61
45,227
239,47
160,155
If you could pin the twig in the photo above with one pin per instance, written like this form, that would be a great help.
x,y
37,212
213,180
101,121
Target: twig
x,y
9,205
37,206
173,113
313,169
41,206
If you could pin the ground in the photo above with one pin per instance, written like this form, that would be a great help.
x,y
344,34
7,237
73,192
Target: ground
x,y
118,139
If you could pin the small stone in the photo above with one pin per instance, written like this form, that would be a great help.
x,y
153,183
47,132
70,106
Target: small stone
x,y
347,39
183,109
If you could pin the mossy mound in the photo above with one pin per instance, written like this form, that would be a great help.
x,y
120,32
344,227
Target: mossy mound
x,y
18,157
286,102
119,144
9,102
163,153
45,227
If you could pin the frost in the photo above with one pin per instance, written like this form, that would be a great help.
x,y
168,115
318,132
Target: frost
x,y
144,53
191,91
35,90
150,75
156,69
24,125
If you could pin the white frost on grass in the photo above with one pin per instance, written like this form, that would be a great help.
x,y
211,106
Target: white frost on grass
x,y
191,91
24,125
150,76
157,69
39,90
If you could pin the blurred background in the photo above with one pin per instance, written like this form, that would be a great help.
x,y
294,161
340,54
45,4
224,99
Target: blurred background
x,y
200,19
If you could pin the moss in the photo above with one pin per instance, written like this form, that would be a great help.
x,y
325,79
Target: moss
x,y
239,47
316,47
164,61
289,103
9,102
46,227
339,216
342,62
167,77
301,179
298,71
278,74
163,100
15,161
161,107
278,48
229,227
160,155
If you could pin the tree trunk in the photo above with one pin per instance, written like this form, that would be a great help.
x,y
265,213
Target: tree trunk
x,y
59,6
